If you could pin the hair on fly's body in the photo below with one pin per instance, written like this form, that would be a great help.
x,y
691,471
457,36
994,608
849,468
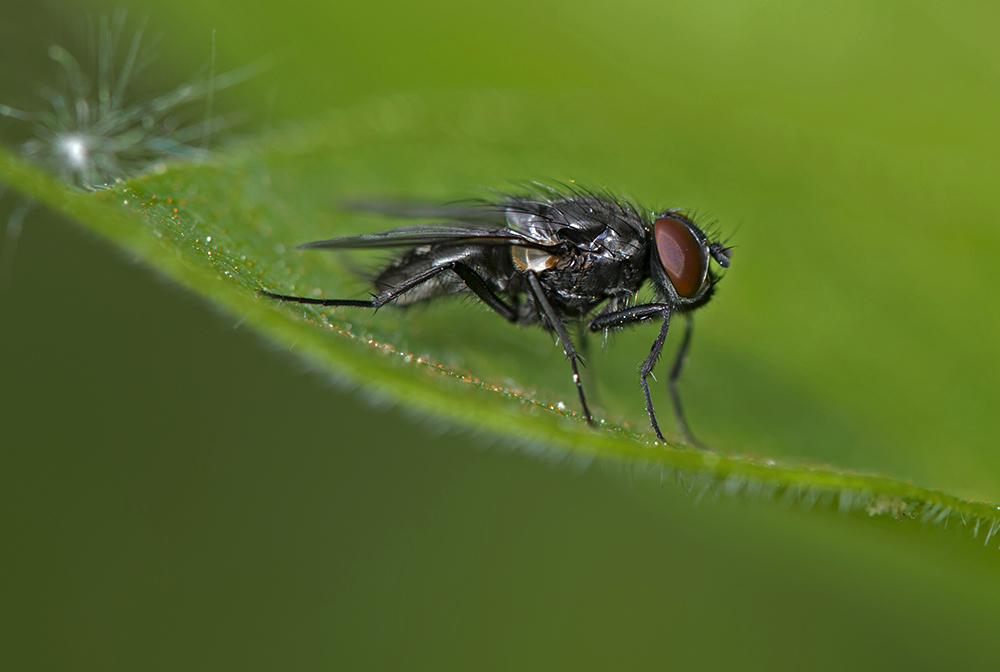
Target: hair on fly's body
x,y
549,256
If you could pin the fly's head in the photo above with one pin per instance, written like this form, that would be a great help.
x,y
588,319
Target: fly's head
x,y
680,262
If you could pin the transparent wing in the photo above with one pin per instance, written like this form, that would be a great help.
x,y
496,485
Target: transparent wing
x,y
462,211
413,236
524,222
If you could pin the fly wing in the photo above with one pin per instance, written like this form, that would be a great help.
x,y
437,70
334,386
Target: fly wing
x,y
464,211
413,236
522,222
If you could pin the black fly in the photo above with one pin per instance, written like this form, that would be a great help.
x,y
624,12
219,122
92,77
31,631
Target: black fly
x,y
546,258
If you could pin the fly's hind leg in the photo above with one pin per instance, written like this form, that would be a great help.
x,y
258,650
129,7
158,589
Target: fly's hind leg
x,y
472,280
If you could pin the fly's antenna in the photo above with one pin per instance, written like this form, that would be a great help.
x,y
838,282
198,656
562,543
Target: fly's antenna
x,y
721,253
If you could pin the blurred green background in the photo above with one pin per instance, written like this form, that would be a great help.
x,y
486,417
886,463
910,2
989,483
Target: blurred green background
x,y
155,516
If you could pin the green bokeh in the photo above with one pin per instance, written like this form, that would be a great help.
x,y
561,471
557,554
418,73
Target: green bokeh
x,y
176,493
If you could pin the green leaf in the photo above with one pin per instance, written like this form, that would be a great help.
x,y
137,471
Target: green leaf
x,y
226,228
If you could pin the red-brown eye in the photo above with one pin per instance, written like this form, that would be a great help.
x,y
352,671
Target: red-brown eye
x,y
681,255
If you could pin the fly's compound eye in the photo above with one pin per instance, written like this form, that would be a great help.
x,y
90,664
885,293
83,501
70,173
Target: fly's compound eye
x,y
681,254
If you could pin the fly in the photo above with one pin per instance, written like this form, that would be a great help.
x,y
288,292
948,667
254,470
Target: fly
x,y
546,258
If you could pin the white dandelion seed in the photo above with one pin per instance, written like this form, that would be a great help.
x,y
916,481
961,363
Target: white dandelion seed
x,y
89,134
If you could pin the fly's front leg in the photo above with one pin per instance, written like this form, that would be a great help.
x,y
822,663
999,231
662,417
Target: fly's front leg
x,y
640,313
626,316
648,311
647,368
557,324
675,374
